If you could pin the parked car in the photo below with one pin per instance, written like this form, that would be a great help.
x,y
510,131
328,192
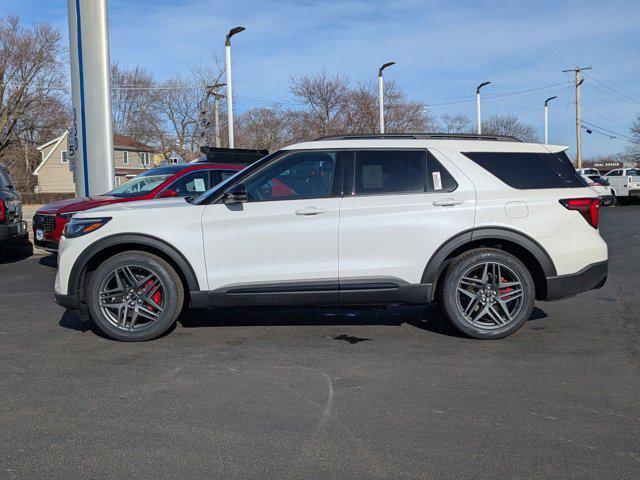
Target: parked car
x,y
485,225
11,223
162,182
601,185
588,171
624,183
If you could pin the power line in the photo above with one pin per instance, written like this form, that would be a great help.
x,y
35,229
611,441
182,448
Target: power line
x,y
607,130
604,116
615,83
613,89
500,95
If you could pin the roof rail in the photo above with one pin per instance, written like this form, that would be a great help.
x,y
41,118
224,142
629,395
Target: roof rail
x,y
421,136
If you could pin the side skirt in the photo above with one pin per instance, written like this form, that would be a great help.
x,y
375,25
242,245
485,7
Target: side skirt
x,y
370,292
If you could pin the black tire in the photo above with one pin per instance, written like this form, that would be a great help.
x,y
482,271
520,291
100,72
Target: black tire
x,y
451,299
170,286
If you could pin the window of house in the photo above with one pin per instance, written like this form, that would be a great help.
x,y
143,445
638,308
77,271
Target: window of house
x,y
125,158
145,158
63,157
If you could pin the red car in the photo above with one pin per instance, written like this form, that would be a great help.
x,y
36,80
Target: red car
x,y
161,182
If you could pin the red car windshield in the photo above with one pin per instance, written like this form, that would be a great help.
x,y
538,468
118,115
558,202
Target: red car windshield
x,y
140,185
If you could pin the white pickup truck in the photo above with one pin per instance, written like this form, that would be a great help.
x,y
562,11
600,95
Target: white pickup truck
x,y
624,183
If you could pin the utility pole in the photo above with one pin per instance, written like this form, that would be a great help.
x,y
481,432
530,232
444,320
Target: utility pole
x,y
578,82
217,96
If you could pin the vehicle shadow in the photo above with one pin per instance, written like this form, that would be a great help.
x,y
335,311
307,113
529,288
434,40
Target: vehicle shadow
x,y
424,317
50,260
15,250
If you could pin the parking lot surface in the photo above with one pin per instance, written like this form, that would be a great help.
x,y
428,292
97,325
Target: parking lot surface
x,y
325,393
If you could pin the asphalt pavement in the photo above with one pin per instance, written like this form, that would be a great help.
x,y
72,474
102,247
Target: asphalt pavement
x,y
325,393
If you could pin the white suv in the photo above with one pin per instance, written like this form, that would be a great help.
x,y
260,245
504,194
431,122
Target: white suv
x,y
484,225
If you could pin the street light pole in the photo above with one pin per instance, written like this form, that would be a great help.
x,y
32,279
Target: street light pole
x,y
227,47
381,93
546,119
478,106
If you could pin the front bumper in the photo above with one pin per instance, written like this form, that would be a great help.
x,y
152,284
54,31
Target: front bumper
x,y
589,278
67,301
606,199
14,230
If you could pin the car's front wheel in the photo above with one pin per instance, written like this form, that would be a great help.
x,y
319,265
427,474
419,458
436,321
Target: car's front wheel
x,y
487,293
134,296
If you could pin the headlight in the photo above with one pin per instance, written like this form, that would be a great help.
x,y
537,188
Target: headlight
x,y
78,227
68,215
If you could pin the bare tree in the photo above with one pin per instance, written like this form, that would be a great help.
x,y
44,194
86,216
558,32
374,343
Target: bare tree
x,y
323,96
509,124
265,128
134,99
634,148
32,92
459,123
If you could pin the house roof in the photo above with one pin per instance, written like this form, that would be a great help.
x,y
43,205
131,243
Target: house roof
x,y
122,142
55,142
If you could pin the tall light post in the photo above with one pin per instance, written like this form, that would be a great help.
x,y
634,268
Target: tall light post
x,y
227,48
381,93
546,119
478,106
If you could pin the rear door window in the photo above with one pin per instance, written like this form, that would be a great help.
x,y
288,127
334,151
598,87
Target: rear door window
x,y
382,172
530,170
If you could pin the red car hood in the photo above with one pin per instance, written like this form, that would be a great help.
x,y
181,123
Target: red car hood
x,y
79,204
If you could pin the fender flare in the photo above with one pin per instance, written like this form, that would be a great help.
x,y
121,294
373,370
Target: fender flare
x,y
145,240
436,262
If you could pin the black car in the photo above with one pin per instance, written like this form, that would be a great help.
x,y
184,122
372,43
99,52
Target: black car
x,y
11,223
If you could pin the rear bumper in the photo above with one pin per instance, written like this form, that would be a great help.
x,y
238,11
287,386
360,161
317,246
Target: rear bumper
x,y
12,231
634,193
589,278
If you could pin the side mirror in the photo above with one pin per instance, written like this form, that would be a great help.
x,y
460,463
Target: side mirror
x,y
168,193
235,194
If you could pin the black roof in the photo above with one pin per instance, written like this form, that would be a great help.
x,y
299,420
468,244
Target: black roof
x,y
242,156
421,136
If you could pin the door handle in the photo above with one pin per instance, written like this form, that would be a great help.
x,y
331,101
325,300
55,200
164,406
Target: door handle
x,y
308,211
447,202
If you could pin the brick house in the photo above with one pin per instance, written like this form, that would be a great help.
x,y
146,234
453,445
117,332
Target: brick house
x,y
130,158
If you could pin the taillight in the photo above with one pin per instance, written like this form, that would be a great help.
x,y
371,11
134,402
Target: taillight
x,y
589,208
3,211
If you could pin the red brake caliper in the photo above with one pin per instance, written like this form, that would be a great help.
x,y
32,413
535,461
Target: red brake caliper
x,y
157,296
504,290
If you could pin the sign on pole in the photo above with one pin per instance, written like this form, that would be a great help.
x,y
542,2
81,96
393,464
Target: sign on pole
x,y
90,135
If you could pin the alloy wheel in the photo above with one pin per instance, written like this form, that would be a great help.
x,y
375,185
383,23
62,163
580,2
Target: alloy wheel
x,y
132,297
489,295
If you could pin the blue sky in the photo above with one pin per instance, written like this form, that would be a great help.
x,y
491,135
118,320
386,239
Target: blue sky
x,y
443,49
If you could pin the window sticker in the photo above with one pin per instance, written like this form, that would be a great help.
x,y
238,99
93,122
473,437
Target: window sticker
x,y
199,185
437,181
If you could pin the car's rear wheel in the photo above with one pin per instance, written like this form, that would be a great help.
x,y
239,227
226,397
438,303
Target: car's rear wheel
x,y
134,296
487,293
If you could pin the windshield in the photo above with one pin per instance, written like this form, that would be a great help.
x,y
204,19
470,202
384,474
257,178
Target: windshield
x,y
140,185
